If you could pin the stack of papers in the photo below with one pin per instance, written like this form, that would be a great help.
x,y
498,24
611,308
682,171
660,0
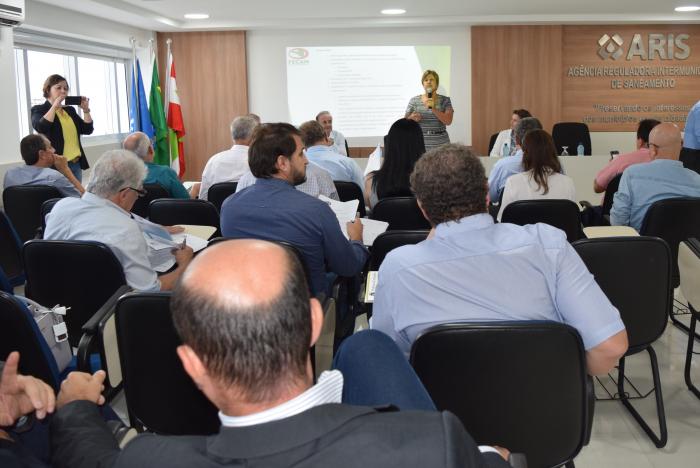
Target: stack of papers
x,y
346,211
160,249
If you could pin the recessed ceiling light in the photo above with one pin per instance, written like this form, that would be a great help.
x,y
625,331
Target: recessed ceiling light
x,y
393,11
196,16
687,8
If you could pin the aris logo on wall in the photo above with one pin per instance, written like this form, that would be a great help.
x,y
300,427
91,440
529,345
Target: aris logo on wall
x,y
663,46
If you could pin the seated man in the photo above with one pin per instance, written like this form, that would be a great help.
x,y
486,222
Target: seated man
x,y
318,182
506,167
506,138
324,156
39,156
271,209
140,144
102,215
623,161
232,164
664,177
472,270
247,322
335,138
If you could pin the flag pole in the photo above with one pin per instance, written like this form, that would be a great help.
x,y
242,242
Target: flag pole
x,y
134,91
166,95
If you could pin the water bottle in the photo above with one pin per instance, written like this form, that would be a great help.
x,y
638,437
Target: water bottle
x,y
506,151
580,149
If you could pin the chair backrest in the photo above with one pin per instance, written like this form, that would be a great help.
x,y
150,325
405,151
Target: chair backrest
x,y
171,211
689,269
219,192
20,332
570,134
351,191
46,208
159,394
400,212
23,207
492,141
389,240
674,220
690,159
79,274
635,273
562,214
10,252
610,191
521,385
153,192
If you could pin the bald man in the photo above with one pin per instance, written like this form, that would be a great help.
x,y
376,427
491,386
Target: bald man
x,y
664,177
246,333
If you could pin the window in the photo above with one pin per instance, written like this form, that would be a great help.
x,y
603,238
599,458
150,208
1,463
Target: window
x,y
102,79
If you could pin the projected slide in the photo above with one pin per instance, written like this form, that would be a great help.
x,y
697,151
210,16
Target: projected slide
x,y
365,88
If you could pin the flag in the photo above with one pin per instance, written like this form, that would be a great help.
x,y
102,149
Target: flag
x,y
139,118
176,125
155,102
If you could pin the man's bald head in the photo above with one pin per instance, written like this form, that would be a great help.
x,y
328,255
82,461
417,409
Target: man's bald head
x,y
665,141
243,307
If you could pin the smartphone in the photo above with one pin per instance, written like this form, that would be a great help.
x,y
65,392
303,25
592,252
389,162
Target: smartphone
x,y
73,100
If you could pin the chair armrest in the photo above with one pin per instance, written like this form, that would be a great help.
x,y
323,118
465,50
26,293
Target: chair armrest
x,y
590,402
585,204
517,460
91,327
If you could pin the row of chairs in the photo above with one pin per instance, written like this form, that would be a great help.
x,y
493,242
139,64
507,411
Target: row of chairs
x,y
568,134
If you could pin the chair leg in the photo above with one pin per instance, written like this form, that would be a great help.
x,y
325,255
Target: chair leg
x,y
682,325
662,438
570,464
689,354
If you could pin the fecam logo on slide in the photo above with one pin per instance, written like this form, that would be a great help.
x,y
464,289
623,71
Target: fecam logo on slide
x,y
663,46
298,56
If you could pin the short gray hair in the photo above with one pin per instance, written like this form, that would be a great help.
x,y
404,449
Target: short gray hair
x,y
242,127
115,171
525,125
138,144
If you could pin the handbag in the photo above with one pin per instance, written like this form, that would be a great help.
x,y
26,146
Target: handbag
x,y
53,329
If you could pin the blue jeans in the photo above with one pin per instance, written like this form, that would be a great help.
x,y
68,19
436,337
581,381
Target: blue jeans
x,y
75,168
376,373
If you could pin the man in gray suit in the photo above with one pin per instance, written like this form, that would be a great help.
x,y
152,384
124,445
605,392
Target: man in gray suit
x,y
247,332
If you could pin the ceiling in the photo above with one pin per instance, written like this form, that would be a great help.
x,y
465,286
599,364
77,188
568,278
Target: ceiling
x,y
168,15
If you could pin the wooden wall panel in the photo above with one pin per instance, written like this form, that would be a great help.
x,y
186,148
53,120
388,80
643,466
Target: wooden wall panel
x,y
514,67
212,85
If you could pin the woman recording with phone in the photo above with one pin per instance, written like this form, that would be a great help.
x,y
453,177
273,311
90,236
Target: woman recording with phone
x,y
432,111
61,124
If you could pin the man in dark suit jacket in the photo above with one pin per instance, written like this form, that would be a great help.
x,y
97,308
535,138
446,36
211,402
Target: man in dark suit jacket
x,y
246,333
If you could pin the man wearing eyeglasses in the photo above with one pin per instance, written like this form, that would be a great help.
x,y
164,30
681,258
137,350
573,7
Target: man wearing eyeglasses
x,y
103,215
664,177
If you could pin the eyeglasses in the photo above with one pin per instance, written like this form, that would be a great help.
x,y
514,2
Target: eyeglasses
x,y
141,192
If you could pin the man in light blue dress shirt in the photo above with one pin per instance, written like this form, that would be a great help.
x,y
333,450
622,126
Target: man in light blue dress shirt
x,y
510,165
664,177
472,270
318,152
691,137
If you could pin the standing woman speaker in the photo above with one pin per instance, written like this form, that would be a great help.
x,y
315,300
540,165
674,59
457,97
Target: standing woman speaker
x,y
432,111
62,125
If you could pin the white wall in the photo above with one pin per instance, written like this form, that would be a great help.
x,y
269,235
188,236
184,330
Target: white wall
x,y
267,74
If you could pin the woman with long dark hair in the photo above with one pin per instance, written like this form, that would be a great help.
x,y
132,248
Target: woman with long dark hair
x,y
403,146
542,177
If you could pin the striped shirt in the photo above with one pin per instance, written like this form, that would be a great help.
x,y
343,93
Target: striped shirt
x,y
434,131
328,389
318,182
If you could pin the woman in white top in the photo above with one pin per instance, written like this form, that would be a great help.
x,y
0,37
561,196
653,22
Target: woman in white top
x,y
542,177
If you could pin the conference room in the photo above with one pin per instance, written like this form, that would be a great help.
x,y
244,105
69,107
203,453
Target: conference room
x,y
450,72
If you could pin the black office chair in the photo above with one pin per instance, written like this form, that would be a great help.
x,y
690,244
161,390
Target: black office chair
x,y
160,396
389,240
492,376
172,211
79,274
351,191
610,192
492,142
23,207
46,208
401,213
562,214
690,159
689,267
10,252
219,192
570,134
153,192
635,274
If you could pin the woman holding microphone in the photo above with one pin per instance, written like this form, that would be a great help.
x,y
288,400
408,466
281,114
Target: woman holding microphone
x,y
62,125
432,111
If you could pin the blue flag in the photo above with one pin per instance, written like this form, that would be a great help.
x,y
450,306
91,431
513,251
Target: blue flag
x,y
139,117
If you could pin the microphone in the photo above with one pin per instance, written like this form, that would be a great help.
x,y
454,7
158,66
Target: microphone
x,y
430,95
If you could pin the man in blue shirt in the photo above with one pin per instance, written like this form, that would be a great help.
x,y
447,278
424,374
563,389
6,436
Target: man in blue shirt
x,y
508,166
272,209
472,270
320,153
664,177
691,137
139,143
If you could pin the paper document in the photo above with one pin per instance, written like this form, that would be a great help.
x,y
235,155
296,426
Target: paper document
x,y
160,250
374,162
344,211
205,232
371,286
196,242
